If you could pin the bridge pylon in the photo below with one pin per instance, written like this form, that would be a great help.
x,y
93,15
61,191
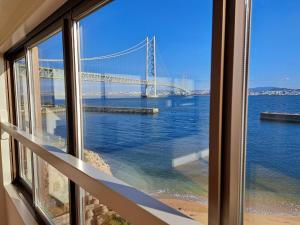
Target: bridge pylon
x,y
150,90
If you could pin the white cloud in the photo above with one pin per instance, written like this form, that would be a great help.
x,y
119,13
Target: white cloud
x,y
285,78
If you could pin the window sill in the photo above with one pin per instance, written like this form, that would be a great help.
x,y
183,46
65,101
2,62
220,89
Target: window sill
x,y
132,204
22,208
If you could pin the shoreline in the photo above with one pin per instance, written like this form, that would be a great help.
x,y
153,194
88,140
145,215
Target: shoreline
x,y
196,206
199,212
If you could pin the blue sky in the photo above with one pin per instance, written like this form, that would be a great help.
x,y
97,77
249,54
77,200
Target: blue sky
x,y
275,43
182,29
183,32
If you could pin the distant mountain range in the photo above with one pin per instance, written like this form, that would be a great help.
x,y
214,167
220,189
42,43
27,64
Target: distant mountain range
x,y
273,91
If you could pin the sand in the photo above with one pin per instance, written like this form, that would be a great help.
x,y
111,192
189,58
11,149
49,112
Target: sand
x,y
254,219
192,209
198,212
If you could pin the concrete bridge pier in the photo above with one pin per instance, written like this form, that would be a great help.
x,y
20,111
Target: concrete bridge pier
x,y
103,90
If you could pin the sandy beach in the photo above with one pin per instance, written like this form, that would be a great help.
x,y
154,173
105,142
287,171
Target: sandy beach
x,y
251,219
198,212
192,209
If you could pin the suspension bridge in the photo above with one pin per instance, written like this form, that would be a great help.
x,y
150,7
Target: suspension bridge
x,y
108,72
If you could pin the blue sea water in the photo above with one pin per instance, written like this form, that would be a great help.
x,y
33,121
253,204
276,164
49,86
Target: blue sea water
x,y
140,149
273,155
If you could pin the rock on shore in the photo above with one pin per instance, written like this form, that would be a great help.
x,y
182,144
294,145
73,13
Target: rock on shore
x,y
97,161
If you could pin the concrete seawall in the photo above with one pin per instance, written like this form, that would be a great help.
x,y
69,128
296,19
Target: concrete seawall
x,y
110,109
106,109
281,117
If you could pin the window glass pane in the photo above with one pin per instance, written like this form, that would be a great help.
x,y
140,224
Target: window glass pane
x,y
25,162
273,143
20,73
145,85
23,118
52,193
97,213
48,90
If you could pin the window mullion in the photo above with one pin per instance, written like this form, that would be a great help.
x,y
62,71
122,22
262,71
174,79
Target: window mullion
x,y
216,107
71,107
233,118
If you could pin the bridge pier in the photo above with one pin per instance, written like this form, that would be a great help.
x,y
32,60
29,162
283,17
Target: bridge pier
x,y
144,93
103,90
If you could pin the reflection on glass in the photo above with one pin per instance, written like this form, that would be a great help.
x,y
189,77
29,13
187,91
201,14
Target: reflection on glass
x,y
22,94
273,145
99,214
25,157
52,193
47,64
23,117
145,94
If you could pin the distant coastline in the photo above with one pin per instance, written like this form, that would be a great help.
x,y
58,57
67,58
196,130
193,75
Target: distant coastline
x,y
274,91
257,91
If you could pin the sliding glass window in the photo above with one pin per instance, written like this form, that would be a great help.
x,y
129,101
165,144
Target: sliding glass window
x,y
49,123
140,103
23,117
273,143
145,87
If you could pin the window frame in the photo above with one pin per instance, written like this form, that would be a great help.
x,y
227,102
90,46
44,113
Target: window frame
x,y
21,185
56,27
228,104
16,149
22,181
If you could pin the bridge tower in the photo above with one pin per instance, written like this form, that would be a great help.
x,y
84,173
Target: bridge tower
x,y
153,71
150,90
144,88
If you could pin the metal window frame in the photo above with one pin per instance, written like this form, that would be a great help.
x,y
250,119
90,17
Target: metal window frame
x,y
231,29
47,33
73,130
62,25
73,40
16,94
16,179
14,119
230,44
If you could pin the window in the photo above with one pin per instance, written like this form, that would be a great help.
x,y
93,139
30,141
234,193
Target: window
x,y
145,84
273,156
23,117
135,89
52,188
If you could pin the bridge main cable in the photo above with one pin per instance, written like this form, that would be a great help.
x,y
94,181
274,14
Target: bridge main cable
x,y
112,55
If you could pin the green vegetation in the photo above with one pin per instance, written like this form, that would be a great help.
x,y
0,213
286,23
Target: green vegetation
x,y
115,220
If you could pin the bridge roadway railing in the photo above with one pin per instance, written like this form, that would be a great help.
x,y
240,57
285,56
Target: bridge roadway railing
x,y
49,73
